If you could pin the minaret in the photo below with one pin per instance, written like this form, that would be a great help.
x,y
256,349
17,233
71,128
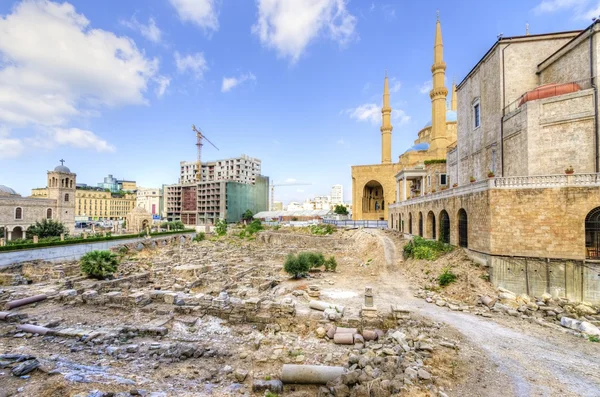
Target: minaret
x,y
454,101
386,125
438,94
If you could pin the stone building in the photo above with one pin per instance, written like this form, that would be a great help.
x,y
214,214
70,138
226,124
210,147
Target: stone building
x,y
138,220
151,199
524,172
18,213
374,186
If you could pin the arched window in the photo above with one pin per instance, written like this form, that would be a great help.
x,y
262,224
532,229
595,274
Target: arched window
x,y
421,224
18,213
592,234
431,225
444,227
463,228
66,197
410,223
49,213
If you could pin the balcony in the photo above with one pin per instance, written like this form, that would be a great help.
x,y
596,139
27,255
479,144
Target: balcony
x,y
511,182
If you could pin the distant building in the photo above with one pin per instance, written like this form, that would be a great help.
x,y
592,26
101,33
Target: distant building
x,y
226,189
18,213
150,199
318,203
337,194
277,206
115,185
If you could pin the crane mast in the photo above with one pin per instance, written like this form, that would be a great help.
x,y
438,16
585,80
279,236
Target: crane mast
x,y
199,137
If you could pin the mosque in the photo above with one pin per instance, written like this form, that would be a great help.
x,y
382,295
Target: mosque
x,y
374,186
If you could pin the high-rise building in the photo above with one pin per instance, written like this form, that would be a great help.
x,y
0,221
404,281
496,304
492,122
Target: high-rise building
x,y
150,199
337,194
115,185
226,189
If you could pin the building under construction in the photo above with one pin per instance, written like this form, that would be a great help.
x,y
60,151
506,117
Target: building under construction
x,y
224,189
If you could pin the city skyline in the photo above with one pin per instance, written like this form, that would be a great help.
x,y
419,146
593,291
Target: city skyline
x,y
295,98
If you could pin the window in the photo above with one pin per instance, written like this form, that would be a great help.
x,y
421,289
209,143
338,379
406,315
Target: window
x,y
66,197
476,114
18,213
443,179
49,213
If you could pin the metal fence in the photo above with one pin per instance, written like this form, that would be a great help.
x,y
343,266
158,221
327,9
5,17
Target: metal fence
x,y
351,223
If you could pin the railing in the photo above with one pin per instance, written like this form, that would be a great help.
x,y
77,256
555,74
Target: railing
x,y
350,223
514,105
511,182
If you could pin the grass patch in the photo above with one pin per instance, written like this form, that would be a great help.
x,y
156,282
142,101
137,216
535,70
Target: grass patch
x,y
594,338
420,248
447,277
322,229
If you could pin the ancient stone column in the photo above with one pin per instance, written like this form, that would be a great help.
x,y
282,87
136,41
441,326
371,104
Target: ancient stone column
x,y
35,239
62,237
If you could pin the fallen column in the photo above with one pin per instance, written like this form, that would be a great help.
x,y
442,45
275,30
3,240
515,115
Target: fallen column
x,y
343,339
33,329
344,330
25,301
310,374
320,305
3,315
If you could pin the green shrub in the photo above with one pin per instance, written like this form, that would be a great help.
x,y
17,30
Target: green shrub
x,y
294,266
247,216
340,209
446,277
46,228
221,227
254,226
322,229
594,338
313,259
331,264
420,248
99,264
199,237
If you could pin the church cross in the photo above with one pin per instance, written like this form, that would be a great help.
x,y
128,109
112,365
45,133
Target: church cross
x,y
62,162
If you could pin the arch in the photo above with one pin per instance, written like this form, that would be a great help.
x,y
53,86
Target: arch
x,y
66,197
372,200
410,223
431,232
49,213
420,224
17,233
144,224
18,213
463,228
444,227
592,234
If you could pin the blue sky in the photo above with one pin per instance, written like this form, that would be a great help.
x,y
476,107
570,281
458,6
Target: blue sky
x,y
113,87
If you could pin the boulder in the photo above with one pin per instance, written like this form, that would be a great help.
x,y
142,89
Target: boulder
x,y
584,310
581,326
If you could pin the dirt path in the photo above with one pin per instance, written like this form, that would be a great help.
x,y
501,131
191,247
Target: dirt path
x,y
538,361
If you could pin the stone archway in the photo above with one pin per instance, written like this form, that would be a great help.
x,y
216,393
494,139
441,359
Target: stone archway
x,y
17,233
430,228
592,234
420,224
444,227
373,198
463,228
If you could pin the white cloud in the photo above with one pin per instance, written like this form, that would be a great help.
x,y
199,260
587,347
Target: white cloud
x,y
150,31
288,26
395,85
11,148
366,112
162,83
340,141
290,180
231,82
203,13
426,87
56,67
82,139
549,6
195,63
300,190
399,116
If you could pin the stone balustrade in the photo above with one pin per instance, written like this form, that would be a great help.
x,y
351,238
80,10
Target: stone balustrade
x,y
511,182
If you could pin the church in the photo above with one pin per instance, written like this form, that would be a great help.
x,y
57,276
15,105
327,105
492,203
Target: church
x,y
17,213
374,186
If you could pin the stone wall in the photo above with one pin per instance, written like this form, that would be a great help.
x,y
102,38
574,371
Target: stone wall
x,y
572,63
33,210
385,174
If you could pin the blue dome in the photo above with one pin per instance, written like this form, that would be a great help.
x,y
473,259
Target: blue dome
x,y
62,168
7,190
450,116
418,147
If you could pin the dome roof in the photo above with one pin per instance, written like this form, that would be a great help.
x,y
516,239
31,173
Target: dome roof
x,y
62,168
139,210
5,190
450,116
418,147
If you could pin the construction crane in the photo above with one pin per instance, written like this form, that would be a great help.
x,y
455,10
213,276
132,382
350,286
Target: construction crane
x,y
283,184
199,137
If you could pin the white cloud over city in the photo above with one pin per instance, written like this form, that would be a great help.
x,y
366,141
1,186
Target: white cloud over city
x,y
202,13
231,82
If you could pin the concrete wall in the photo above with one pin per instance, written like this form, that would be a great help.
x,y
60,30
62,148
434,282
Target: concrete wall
x,y
71,252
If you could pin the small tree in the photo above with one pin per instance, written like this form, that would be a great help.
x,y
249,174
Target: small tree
x,y
294,266
247,216
221,227
199,237
340,209
99,264
46,228
331,264
177,225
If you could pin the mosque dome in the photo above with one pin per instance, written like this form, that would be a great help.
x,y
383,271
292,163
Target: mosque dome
x,y
418,147
62,168
6,191
450,116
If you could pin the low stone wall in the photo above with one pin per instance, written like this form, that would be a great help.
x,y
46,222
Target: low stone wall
x,y
76,251
296,240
